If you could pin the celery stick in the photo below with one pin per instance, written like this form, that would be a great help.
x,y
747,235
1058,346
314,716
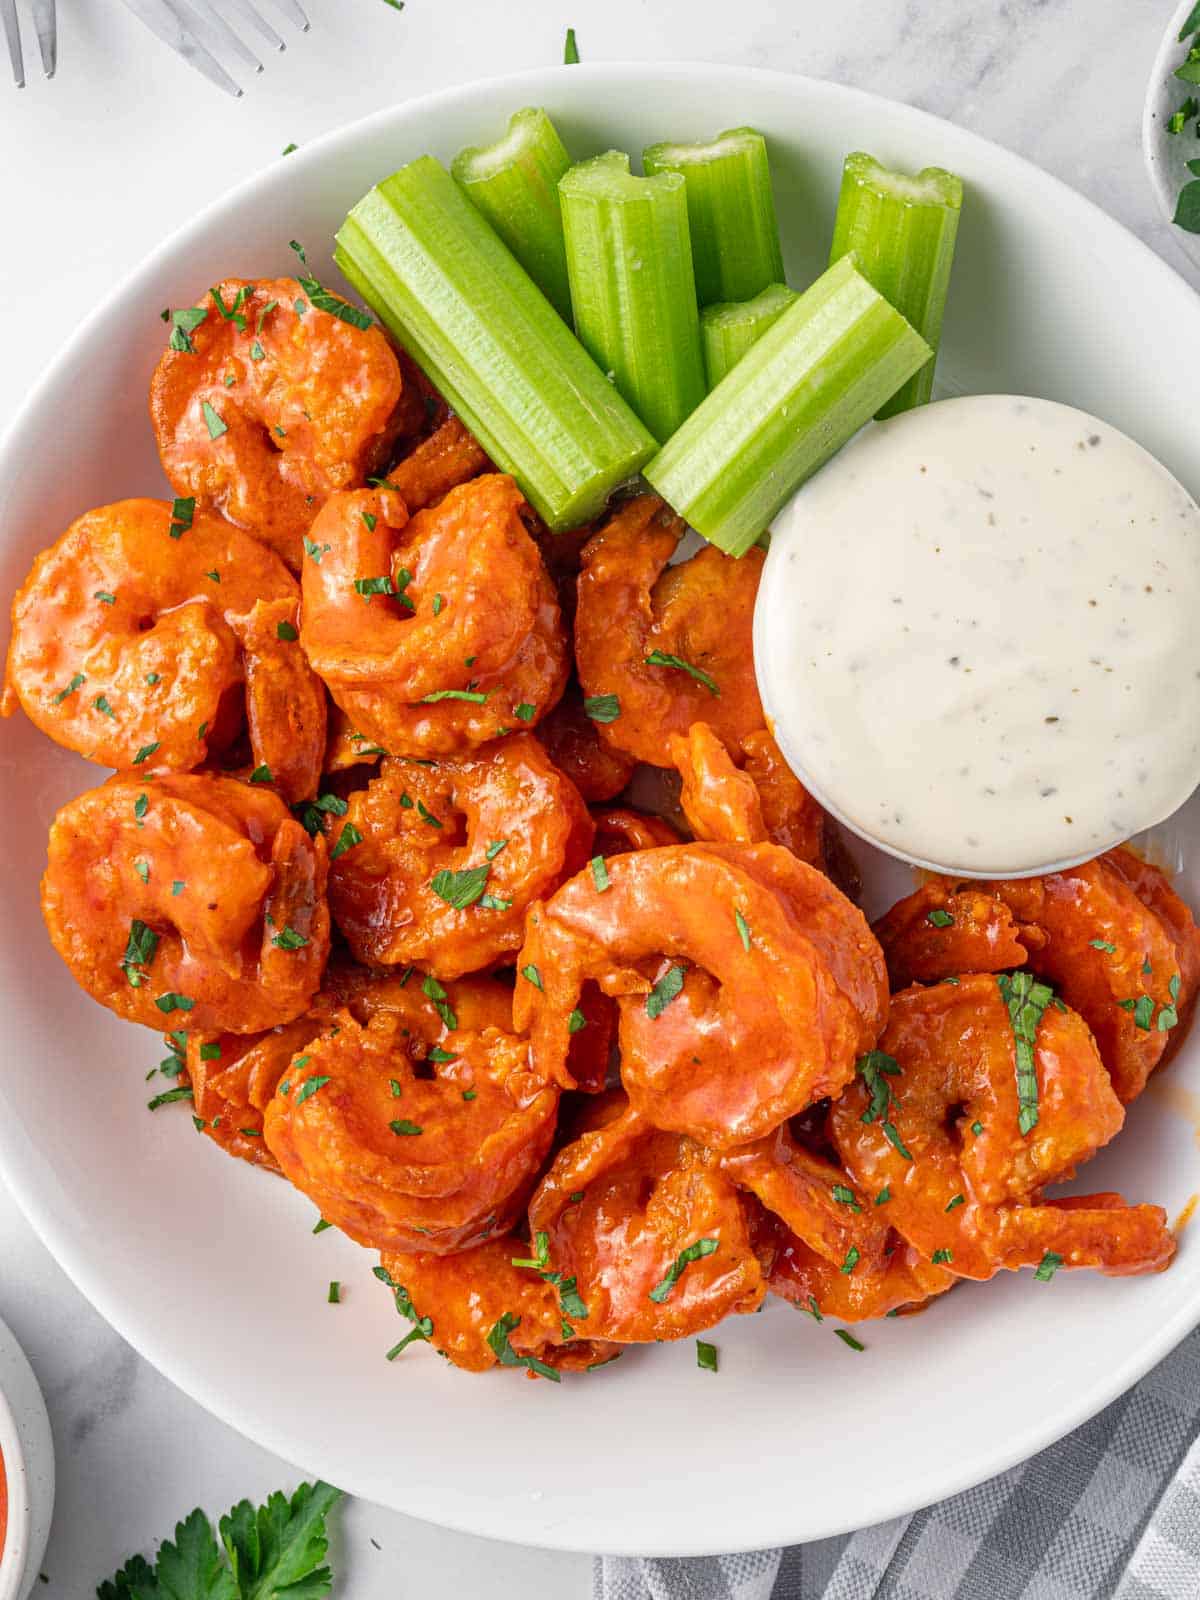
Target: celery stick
x,y
729,328
731,212
632,291
902,233
830,361
514,182
428,264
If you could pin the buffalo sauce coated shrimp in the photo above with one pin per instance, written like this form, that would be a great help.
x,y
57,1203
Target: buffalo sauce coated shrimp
x,y
434,1156
824,1245
480,1308
654,1235
452,854
762,800
437,633
234,1077
573,743
192,894
272,404
747,983
936,1117
620,829
1111,935
671,644
140,636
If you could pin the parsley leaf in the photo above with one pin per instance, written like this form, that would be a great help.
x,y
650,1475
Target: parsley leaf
x,y
660,658
1026,1000
346,840
460,889
602,707
498,1339
570,50
1048,1266
325,300
706,1356
939,918
663,992
874,1069
694,1252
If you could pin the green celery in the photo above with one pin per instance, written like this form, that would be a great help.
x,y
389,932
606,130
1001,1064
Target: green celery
x,y
632,292
830,361
428,264
729,328
901,231
514,182
731,212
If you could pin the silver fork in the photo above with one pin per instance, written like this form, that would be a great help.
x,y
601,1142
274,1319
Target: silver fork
x,y
199,32
43,26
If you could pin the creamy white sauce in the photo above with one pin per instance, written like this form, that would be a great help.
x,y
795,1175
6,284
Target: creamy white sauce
x,y
978,636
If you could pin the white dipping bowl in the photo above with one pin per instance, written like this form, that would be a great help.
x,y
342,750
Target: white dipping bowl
x,y
28,1452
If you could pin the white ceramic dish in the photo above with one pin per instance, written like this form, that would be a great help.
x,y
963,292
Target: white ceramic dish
x,y
28,1453
1166,155
209,1268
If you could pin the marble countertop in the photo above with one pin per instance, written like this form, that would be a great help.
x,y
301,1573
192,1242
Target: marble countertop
x,y
125,145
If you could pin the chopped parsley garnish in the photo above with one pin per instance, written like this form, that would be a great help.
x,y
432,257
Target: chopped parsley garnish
x,y
139,951
422,1326
439,1056
533,976
541,1249
212,421
853,1256
955,1201
1103,944
525,712
494,849
460,889
1168,1016
335,1292
289,939
812,1309
1048,1266
475,697
403,1126
368,521
1180,118
312,813
893,1137
491,902
263,314
743,928
602,707
663,992
694,1252
425,814
884,1195
105,598
257,353
145,753
599,873
324,300
660,658
848,1338
498,1339
210,1052
182,512
214,575
308,1088
315,551
1142,1008
438,603
169,1097
706,1356
142,868
346,840
184,323
321,1225
173,1002
140,806
369,586
232,313
874,1069
940,918
469,1094
576,1022
432,990
845,1196
940,1257
570,50
977,1128
1026,1000
262,774
77,682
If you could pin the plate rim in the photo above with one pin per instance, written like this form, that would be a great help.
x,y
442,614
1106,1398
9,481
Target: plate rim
x,y
915,1491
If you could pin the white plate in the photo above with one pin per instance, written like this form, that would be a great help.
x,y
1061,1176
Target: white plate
x,y
209,1267
1166,154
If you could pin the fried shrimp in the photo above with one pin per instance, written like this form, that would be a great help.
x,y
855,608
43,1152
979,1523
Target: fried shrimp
x,y
192,894
432,1157
574,745
747,983
965,1129
671,645
271,402
448,457
479,1308
234,1077
435,634
653,1234
452,854
146,632
620,829
762,800
824,1245
1111,935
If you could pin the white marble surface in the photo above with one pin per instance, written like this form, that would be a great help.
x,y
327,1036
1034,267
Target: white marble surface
x,y
127,143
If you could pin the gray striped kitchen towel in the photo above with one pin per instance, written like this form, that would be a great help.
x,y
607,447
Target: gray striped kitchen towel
x,y
1111,1512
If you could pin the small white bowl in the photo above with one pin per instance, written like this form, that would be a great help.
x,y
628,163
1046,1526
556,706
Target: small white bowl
x,y
28,1452
1166,154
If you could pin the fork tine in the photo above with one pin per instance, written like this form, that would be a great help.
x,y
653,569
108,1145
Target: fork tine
x,y
250,14
165,25
12,31
210,27
47,34
293,13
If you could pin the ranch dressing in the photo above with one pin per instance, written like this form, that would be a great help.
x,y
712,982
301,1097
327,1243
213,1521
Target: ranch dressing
x,y
978,636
